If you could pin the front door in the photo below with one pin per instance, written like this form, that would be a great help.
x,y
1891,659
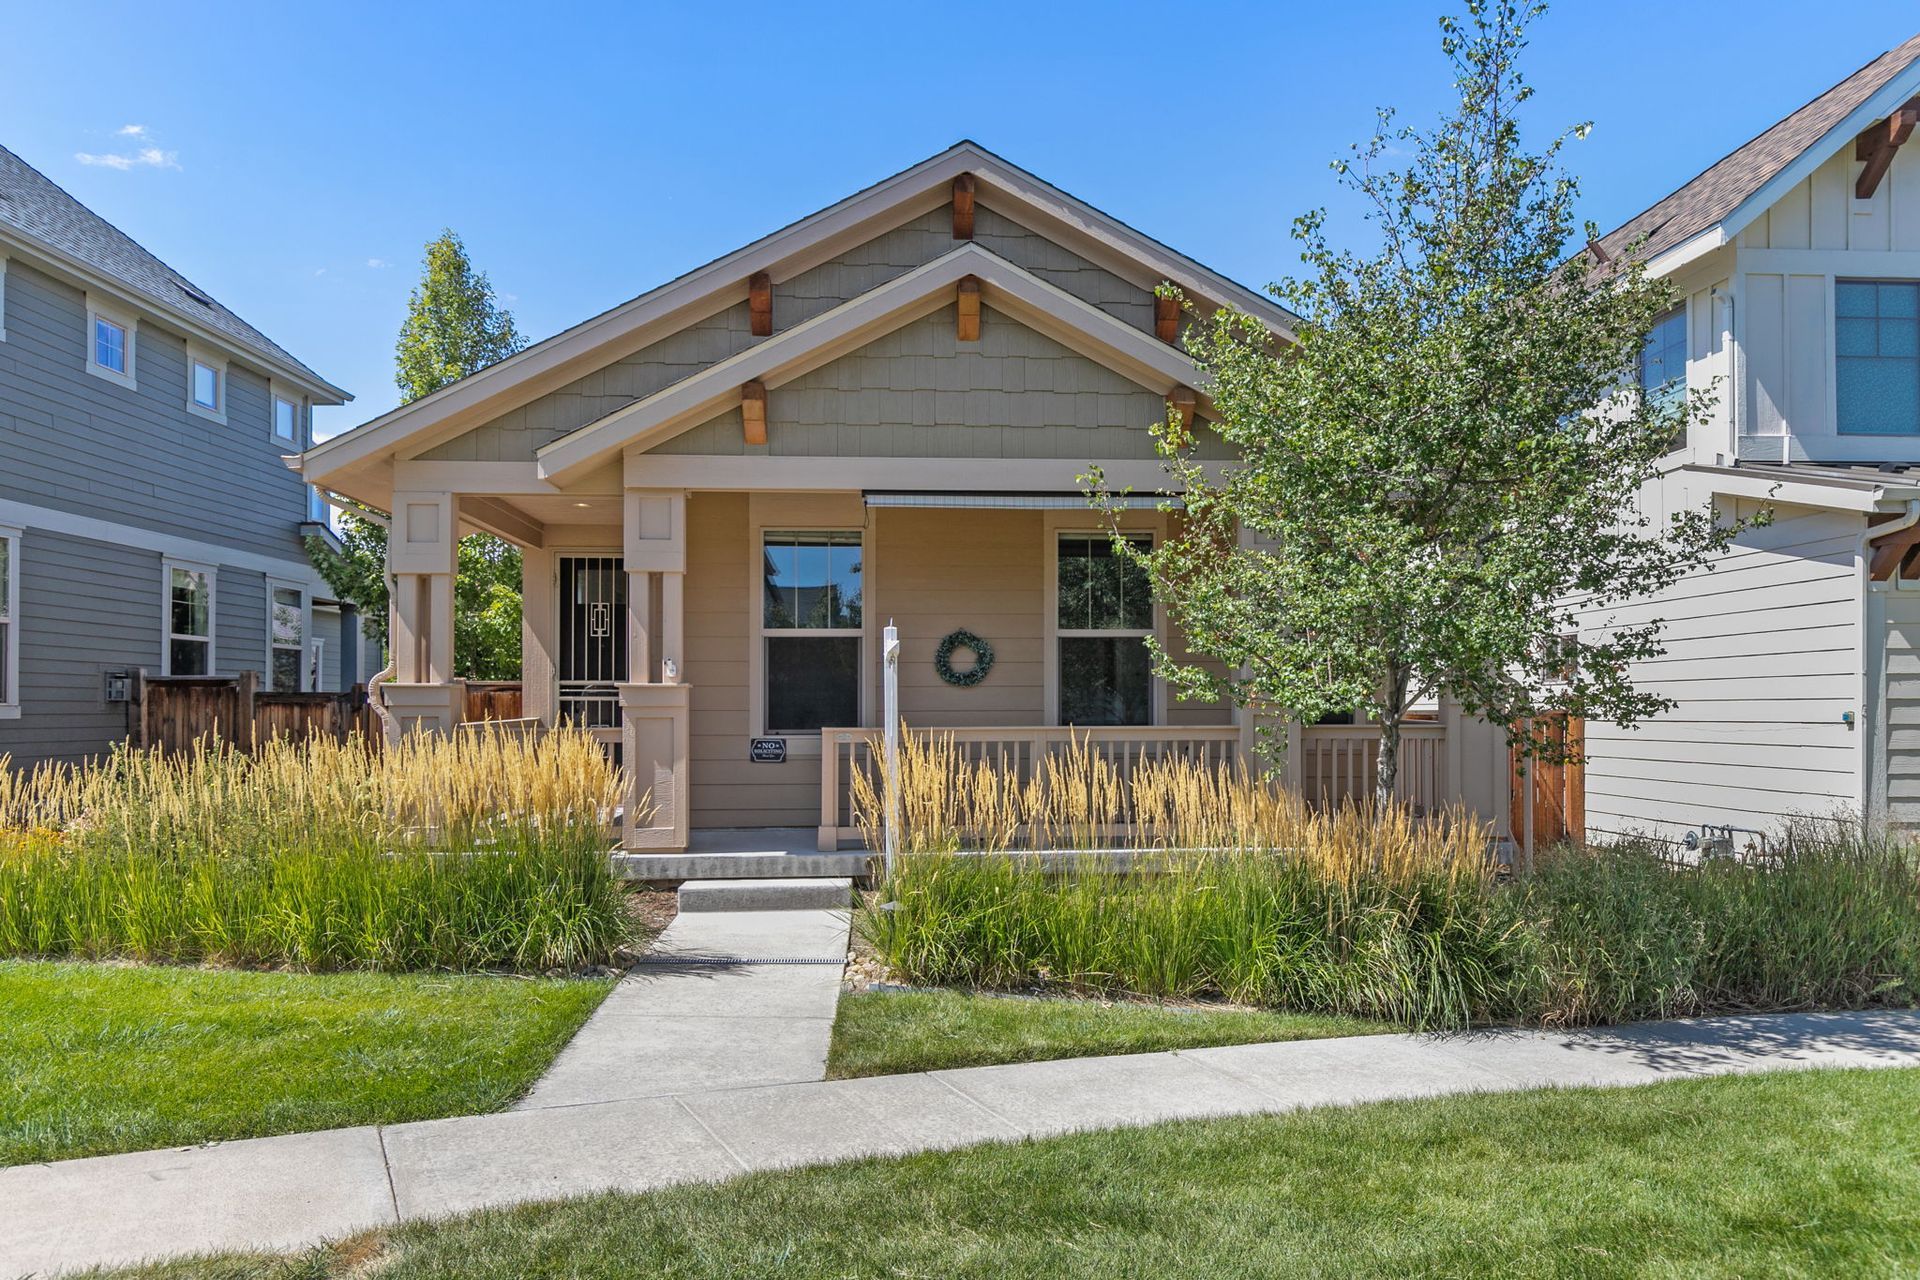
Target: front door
x,y
593,639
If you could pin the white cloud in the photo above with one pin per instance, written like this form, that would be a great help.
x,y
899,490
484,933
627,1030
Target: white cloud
x,y
377,263
319,271
147,157
131,131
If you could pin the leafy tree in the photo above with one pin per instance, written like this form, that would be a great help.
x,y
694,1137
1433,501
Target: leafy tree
x,y
454,327
1443,467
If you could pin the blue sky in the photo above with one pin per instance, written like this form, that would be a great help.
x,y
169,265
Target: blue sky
x,y
294,162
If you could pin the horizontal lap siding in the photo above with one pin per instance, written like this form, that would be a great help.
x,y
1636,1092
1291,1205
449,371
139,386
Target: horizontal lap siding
x,y
1762,661
69,638
135,455
1898,795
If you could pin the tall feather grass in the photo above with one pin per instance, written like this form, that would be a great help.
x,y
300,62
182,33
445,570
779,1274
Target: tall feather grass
x,y
1236,889
485,849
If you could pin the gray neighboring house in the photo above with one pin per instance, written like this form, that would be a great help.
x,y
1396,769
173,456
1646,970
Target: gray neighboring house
x,y
148,518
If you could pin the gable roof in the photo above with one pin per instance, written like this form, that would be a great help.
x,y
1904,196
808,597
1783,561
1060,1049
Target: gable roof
x,y
36,209
784,254
1716,197
1005,287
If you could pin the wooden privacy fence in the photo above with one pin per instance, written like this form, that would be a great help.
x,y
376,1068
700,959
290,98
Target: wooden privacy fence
x,y
493,700
1559,790
172,712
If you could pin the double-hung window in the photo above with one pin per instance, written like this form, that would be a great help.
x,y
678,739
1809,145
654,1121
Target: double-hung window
x,y
1105,614
189,650
9,622
810,626
287,625
1877,357
109,343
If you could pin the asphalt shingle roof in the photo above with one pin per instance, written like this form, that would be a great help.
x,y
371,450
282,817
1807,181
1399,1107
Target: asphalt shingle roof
x,y
34,206
1715,194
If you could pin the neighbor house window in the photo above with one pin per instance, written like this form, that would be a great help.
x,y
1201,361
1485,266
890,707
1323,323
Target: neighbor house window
x,y
109,344
1105,614
288,638
810,624
1877,357
189,621
286,419
1663,360
206,386
9,615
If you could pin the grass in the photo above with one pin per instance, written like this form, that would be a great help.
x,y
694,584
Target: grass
x,y
1242,893
887,1033
1811,1174
108,1058
476,850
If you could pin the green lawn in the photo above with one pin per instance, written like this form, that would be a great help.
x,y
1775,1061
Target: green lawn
x,y
105,1058
886,1033
1812,1174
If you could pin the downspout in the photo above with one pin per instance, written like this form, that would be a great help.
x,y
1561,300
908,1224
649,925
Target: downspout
x,y
1863,745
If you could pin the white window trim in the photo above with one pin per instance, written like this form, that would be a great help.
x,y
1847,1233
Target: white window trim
x,y
99,308
10,676
197,354
280,391
1055,525
3,297
306,633
167,566
802,746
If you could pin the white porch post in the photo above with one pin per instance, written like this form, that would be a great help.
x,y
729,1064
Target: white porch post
x,y
422,556
655,700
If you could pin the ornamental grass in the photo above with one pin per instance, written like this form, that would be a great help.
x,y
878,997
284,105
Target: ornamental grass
x,y
484,849
1231,888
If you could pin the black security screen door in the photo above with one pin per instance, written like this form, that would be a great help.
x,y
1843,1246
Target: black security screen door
x,y
593,639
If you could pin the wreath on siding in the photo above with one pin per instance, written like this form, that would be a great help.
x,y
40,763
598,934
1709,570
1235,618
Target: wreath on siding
x,y
982,659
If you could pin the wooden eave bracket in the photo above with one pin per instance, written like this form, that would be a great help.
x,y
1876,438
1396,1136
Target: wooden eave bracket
x,y
1879,143
1166,318
1890,551
967,310
1183,401
753,412
963,207
760,304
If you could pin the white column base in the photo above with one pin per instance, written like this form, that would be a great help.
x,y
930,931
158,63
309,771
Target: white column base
x,y
435,708
656,727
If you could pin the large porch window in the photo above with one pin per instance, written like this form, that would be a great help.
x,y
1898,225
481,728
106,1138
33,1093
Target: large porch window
x,y
810,624
1105,614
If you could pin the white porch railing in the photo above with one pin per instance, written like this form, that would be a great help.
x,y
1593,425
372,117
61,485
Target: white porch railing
x,y
1336,762
845,751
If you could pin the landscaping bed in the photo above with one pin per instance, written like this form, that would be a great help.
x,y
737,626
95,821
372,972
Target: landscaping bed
x,y
1796,1174
102,1058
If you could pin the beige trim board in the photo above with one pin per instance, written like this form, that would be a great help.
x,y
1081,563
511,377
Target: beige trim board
x,y
1020,294
707,290
799,474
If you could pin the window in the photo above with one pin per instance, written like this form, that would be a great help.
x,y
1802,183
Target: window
x,y
189,621
9,615
109,345
1105,614
810,624
110,342
206,385
1663,360
287,643
286,419
3,297
1877,357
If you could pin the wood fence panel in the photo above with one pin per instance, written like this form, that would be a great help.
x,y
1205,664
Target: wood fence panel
x,y
173,712
493,700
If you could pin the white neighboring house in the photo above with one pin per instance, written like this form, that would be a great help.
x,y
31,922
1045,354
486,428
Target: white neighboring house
x,y
1795,662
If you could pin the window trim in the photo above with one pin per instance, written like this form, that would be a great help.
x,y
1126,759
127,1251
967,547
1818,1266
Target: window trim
x,y
760,523
167,634
199,355
1054,526
10,604
306,633
3,297
99,309
1681,312
276,392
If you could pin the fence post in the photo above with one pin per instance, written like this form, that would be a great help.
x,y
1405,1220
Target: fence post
x,y
249,688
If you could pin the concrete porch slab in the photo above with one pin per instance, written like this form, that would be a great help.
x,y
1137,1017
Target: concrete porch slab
x,y
743,853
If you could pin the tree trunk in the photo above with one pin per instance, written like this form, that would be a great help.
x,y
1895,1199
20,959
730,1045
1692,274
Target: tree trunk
x,y
1393,714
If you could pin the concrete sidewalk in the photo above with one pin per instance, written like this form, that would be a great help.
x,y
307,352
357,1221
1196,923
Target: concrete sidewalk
x,y
280,1193
723,999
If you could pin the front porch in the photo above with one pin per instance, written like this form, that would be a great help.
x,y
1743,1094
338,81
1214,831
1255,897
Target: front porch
x,y
725,643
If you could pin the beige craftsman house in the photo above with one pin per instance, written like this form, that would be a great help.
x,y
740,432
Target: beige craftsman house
x,y
726,487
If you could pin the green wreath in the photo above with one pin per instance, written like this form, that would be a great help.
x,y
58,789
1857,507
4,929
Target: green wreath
x,y
982,659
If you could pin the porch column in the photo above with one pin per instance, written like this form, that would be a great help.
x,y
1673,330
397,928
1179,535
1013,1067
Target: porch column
x,y
422,555
656,701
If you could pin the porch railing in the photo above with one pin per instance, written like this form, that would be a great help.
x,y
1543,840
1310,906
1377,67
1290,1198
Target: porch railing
x,y
1337,763
843,752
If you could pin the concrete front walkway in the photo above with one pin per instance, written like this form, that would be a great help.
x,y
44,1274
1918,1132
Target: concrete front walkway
x,y
280,1193
724,999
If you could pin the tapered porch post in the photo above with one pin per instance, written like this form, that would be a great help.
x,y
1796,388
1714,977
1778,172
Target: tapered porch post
x,y
655,700
422,556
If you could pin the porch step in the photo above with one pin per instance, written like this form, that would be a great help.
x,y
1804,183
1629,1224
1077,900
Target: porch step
x,y
791,894
680,867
